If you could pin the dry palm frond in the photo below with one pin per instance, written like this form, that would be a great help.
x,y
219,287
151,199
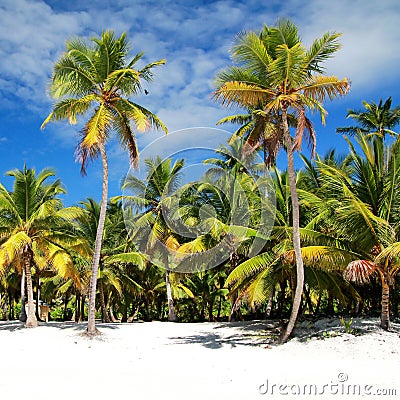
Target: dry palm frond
x,y
359,271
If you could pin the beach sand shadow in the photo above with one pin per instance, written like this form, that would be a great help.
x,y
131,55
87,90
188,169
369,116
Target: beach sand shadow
x,y
233,334
79,327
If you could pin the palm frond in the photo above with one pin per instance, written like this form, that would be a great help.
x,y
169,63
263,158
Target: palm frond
x,y
359,271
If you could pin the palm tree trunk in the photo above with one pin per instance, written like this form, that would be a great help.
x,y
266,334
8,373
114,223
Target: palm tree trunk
x,y
395,299
5,306
37,295
65,313
77,307
234,315
219,308
270,304
330,309
113,319
385,314
91,327
308,301
210,310
103,302
202,309
171,311
147,317
296,229
22,315
82,312
124,317
11,308
31,321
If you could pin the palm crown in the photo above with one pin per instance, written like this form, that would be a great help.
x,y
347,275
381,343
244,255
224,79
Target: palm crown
x,y
375,120
276,75
36,230
274,72
99,79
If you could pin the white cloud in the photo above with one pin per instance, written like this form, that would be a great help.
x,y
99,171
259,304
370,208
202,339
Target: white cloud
x,y
369,56
31,35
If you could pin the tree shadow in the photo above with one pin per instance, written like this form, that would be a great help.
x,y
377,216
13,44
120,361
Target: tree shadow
x,y
242,333
79,327
325,328
253,326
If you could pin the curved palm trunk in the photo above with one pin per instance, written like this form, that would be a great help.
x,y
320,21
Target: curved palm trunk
x,y
296,230
31,321
171,311
22,315
91,327
113,319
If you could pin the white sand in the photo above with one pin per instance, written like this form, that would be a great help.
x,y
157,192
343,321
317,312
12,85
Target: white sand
x,y
158,360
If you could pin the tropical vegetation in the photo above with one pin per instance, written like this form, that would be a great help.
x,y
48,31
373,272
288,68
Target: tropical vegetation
x,y
333,243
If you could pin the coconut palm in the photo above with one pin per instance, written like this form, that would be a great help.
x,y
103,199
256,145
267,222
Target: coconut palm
x,y
367,212
206,287
276,74
10,291
376,120
36,229
115,249
151,199
324,255
96,79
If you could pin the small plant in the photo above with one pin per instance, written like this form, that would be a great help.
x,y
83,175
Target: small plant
x,y
347,325
330,334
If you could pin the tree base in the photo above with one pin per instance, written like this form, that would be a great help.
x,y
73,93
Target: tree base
x,y
31,324
385,324
92,334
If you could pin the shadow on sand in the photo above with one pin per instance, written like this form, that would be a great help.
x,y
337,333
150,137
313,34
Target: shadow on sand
x,y
79,327
250,333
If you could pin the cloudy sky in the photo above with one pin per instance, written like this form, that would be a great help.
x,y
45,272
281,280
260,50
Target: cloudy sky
x,y
194,38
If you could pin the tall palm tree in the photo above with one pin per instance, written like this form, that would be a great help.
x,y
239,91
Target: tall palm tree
x,y
323,253
367,212
115,249
97,79
276,74
151,198
36,228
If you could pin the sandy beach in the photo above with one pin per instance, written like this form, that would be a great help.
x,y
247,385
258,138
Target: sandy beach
x,y
157,360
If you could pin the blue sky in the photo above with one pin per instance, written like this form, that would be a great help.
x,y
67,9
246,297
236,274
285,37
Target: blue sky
x,y
194,37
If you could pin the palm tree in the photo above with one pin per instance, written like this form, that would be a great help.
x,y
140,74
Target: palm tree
x,y
376,120
206,287
151,198
97,79
35,228
276,74
115,248
324,255
367,212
